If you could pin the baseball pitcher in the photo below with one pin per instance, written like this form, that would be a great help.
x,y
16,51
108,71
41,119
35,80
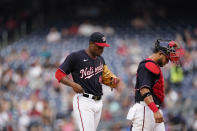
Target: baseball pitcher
x,y
89,72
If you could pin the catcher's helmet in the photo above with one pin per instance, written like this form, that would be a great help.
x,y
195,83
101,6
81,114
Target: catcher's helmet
x,y
169,48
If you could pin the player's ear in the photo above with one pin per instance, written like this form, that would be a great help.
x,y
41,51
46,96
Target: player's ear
x,y
160,53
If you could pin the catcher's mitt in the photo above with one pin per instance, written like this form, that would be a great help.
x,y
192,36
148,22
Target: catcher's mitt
x,y
108,78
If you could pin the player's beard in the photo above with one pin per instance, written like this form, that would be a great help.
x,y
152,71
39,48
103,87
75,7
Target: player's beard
x,y
96,53
159,62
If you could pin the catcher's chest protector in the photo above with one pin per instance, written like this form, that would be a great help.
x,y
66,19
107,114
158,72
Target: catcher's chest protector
x,y
158,87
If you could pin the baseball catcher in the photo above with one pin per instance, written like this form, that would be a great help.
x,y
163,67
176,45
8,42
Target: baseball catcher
x,y
146,114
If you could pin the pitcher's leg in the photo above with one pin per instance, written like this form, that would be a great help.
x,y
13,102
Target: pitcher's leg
x,y
83,115
97,115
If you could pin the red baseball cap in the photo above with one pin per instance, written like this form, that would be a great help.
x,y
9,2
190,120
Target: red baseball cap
x,y
99,39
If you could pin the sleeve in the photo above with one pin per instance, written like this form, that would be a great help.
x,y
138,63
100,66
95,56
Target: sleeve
x,y
68,64
145,78
59,75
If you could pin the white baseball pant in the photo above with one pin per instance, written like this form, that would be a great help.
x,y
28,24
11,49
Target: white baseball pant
x,y
142,118
87,112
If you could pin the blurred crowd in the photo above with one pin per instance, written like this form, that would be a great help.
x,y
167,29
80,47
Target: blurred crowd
x,y
16,23
32,99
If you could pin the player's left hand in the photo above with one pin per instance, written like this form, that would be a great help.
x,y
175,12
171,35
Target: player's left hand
x,y
116,81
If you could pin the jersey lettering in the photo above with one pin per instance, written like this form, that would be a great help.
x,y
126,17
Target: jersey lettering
x,y
88,73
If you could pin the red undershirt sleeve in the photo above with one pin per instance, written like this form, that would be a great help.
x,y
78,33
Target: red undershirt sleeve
x,y
59,74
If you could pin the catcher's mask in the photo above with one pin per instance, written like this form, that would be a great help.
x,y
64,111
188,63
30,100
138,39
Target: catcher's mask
x,y
170,49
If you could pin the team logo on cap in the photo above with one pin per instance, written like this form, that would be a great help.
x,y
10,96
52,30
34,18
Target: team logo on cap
x,y
103,38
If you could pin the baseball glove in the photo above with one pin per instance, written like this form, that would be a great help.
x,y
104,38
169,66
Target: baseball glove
x,y
108,78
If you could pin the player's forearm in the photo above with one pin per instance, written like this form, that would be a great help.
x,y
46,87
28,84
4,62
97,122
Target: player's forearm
x,y
148,99
62,77
67,81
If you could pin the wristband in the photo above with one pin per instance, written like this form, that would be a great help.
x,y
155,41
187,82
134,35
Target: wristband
x,y
153,107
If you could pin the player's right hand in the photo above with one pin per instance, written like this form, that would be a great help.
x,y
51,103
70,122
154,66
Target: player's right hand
x,y
158,117
77,88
